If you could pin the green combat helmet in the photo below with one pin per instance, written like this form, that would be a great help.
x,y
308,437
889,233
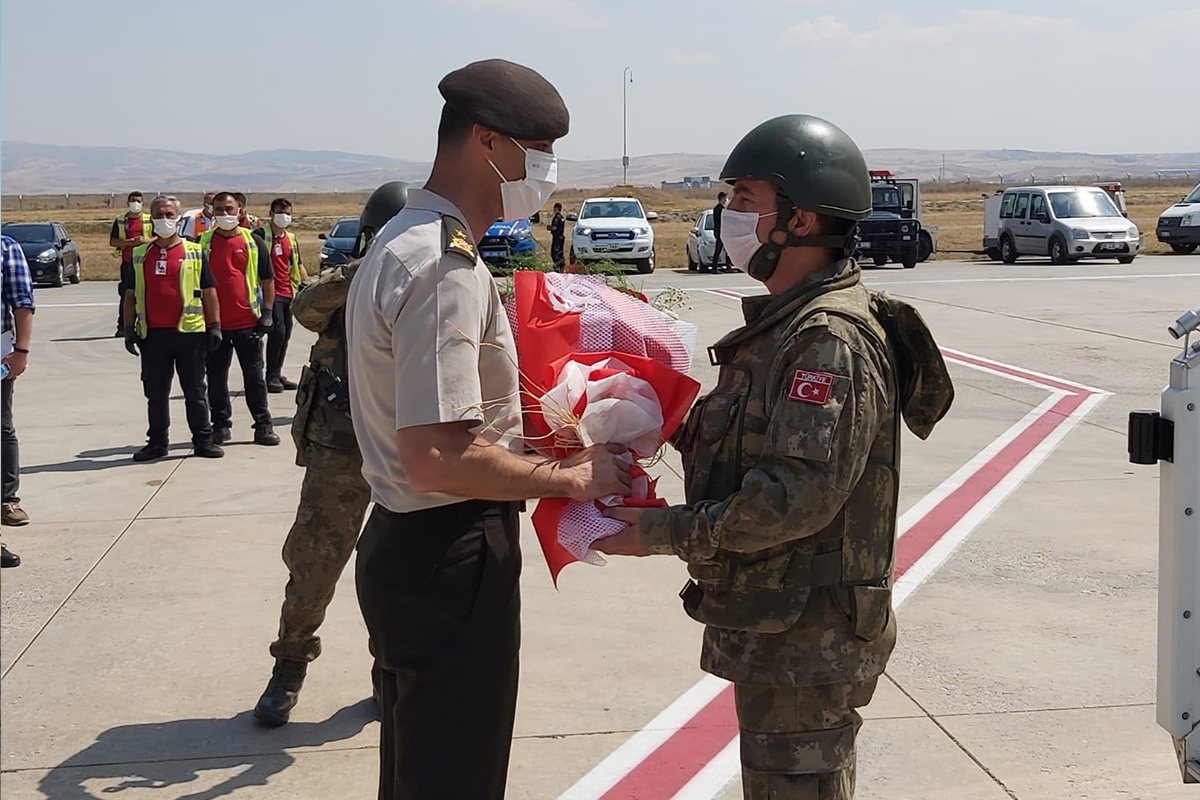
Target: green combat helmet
x,y
383,204
817,167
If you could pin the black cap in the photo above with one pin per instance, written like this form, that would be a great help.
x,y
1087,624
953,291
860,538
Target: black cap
x,y
508,98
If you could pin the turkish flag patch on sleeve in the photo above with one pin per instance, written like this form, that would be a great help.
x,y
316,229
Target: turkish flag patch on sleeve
x,y
811,387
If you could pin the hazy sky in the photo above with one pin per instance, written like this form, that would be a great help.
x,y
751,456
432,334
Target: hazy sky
x,y
1089,75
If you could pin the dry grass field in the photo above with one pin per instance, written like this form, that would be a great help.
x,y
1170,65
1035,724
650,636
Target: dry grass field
x,y
956,209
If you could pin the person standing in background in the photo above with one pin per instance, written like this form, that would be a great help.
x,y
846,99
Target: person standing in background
x,y
18,324
200,222
128,232
719,250
288,273
558,237
175,321
241,266
245,219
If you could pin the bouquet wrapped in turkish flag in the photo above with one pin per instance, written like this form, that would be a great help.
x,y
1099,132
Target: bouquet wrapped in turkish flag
x,y
598,366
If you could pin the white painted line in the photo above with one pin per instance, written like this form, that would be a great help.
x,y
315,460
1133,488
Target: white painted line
x,y
635,749
1015,373
716,775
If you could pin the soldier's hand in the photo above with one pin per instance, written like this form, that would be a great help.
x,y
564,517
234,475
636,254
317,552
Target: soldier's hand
x,y
629,541
598,471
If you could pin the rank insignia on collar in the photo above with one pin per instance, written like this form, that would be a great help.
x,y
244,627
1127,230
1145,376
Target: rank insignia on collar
x,y
454,234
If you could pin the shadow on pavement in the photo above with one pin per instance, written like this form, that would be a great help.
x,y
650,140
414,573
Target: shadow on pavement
x,y
85,338
89,460
164,754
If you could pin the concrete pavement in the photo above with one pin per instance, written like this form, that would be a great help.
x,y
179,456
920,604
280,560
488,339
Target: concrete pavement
x,y
134,638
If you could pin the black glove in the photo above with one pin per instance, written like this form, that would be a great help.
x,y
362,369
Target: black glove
x,y
213,336
265,322
131,341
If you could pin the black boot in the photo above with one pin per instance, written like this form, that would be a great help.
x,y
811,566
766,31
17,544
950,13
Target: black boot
x,y
151,452
220,435
282,693
208,450
287,384
266,435
8,558
274,384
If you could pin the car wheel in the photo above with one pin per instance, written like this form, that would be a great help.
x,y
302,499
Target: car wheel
x,y
692,265
1184,249
909,258
58,277
924,246
77,275
1008,251
646,265
1125,259
1058,251
879,260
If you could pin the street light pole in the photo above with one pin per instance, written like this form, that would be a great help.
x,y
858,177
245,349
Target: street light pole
x,y
628,73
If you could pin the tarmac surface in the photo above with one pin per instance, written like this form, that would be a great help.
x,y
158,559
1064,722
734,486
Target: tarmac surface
x,y
134,636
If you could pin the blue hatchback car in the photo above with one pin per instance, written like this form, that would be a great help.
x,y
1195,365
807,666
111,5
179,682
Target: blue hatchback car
x,y
506,239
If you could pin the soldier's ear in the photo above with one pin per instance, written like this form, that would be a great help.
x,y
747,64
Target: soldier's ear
x,y
804,223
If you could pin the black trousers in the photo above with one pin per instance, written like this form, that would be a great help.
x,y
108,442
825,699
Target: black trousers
x,y
12,450
248,346
439,592
166,353
123,285
277,339
718,253
556,252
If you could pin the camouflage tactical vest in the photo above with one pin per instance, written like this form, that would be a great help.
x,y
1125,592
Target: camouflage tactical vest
x,y
811,610
322,412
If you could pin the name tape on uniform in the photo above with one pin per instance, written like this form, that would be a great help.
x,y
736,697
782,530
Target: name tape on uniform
x,y
811,387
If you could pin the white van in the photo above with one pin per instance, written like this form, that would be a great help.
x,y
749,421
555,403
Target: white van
x,y
1179,225
1066,223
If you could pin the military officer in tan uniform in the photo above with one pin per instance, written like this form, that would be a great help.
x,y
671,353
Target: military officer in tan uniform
x,y
792,465
434,399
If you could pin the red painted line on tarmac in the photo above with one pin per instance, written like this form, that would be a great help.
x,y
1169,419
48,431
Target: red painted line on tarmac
x,y
926,531
676,761
667,769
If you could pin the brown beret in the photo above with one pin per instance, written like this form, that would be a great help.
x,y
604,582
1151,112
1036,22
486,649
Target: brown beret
x,y
508,98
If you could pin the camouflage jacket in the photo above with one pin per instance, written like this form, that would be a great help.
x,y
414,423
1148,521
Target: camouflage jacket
x,y
792,478
320,306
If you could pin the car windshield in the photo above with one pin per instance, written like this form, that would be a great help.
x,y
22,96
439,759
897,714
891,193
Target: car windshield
x,y
1074,205
613,209
885,196
346,229
29,233
1194,197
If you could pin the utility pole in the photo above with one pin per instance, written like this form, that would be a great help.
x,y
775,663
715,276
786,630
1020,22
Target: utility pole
x,y
628,73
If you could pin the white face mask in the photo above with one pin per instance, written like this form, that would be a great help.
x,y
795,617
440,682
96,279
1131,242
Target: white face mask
x,y
524,198
739,234
135,207
282,220
165,228
227,223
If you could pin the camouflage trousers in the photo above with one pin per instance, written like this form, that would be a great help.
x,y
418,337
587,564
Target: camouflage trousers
x,y
798,741
333,500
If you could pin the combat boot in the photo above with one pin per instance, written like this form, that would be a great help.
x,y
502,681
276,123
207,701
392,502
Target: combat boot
x,y
266,436
282,692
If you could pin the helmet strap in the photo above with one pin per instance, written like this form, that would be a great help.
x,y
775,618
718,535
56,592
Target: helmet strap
x,y
763,265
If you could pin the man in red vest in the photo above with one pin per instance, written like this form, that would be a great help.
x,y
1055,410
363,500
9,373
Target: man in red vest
x,y
128,232
289,274
241,266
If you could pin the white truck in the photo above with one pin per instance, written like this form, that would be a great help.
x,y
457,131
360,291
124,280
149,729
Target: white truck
x,y
1179,225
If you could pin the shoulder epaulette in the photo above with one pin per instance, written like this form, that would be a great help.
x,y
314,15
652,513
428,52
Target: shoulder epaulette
x,y
455,238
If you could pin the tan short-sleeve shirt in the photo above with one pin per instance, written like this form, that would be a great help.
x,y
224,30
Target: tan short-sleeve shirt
x,y
428,342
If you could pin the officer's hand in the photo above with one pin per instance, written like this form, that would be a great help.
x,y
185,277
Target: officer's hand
x,y
598,471
213,336
264,324
629,541
131,342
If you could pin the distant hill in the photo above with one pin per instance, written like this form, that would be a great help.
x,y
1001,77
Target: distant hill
x,y
39,169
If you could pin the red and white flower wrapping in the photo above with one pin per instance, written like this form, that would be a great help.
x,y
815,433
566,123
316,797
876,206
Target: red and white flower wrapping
x,y
598,366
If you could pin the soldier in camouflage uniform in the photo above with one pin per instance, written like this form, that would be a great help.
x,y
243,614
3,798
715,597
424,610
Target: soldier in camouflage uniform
x,y
334,495
792,465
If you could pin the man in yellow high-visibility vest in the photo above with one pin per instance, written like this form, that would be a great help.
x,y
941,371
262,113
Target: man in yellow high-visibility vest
x,y
289,274
173,319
